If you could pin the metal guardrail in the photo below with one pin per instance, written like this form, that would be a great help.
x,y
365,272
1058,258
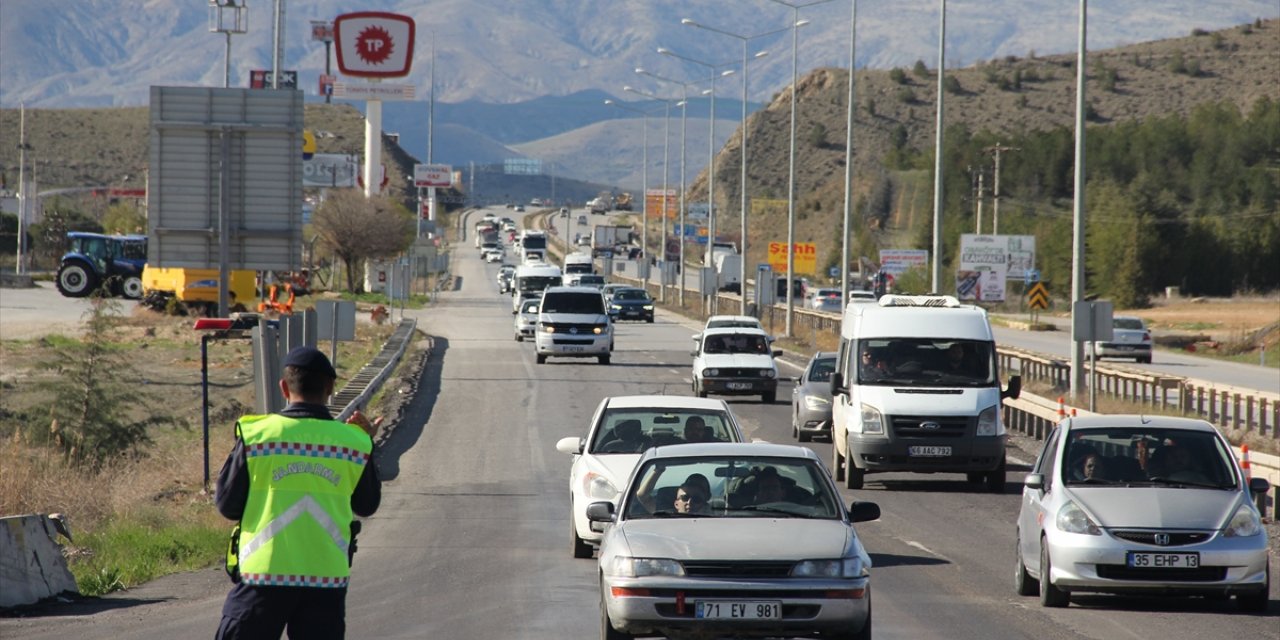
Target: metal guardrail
x,y
369,379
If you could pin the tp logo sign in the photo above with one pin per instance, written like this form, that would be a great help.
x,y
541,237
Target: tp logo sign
x,y
374,44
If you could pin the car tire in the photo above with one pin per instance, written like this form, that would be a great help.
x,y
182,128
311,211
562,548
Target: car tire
x,y
854,477
1050,596
973,477
607,632
1255,601
837,460
541,359
649,320
581,548
131,288
1144,360
604,359
1023,583
996,479
519,337
769,398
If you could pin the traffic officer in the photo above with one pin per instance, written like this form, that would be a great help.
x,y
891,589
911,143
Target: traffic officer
x,y
293,481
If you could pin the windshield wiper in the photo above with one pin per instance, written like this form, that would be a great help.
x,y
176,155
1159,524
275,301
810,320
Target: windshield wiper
x,y
1185,483
773,509
667,513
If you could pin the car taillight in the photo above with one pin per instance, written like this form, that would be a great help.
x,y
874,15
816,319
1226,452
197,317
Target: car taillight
x,y
1146,337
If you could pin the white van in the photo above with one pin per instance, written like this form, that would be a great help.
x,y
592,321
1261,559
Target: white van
x,y
573,323
530,280
578,262
917,389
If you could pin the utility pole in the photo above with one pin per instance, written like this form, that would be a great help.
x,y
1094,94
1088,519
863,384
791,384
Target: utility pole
x,y
995,150
977,196
22,188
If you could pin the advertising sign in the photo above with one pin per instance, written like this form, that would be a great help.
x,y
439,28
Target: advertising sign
x,y
986,285
261,79
321,31
806,257
326,84
330,170
370,91
432,175
898,261
374,44
697,210
655,202
1017,254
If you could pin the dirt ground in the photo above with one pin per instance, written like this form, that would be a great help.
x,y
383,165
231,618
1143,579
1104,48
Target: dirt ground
x,y
1215,316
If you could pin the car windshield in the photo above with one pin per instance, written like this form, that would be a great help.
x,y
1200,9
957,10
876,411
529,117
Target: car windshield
x,y
731,487
822,369
630,294
1128,456
633,430
735,343
925,362
538,283
733,324
567,302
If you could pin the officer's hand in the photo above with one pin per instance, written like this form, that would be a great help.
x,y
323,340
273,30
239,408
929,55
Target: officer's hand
x,y
360,420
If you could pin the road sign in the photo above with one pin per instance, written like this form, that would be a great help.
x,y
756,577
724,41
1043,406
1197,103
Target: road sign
x,y
432,175
806,257
370,91
374,44
1038,296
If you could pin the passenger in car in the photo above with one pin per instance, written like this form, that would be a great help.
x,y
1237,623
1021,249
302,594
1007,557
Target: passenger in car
x,y
696,430
628,437
1093,468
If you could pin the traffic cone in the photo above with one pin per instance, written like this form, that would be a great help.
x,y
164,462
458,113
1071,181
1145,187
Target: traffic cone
x,y
1073,412
1062,409
1244,463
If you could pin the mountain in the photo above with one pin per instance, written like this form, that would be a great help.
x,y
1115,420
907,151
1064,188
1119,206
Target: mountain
x,y
93,53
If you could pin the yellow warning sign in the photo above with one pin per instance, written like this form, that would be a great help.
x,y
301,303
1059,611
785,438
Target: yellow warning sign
x,y
1038,296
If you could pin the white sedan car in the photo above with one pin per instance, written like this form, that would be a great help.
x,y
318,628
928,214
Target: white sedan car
x,y
735,362
527,319
1140,504
623,427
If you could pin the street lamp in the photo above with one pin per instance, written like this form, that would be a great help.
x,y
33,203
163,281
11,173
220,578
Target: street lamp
x,y
796,23
711,148
848,162
742,185
666,140
228,17
684,99
644,178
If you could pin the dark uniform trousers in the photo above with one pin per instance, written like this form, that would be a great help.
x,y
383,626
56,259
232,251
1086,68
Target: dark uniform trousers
x,y
264,613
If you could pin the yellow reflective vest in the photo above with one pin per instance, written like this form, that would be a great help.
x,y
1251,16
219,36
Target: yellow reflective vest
x,y
296,526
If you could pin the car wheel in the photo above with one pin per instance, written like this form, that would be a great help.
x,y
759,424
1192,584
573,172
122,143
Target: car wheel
x,y
1144,360
996,479
649,320
854,477
973,477
769,398
132,288
607,632
581,548
519,337
541,359
837,461
604,359
1255,601
1050,596
1023,584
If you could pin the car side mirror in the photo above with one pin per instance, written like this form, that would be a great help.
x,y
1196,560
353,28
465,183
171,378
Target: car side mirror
x,y
1034,481
863,511
600,512
697,337
694,353
1014,389
513,312
837,384
570,445
1259,485
777,353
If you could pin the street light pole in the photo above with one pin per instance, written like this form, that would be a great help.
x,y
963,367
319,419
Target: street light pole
x,y
848,163
666,143
742,184
796,23
937,152
1077,251
644,187
236,22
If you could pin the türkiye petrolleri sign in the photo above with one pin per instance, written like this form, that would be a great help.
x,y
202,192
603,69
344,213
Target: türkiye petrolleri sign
x,y
374,44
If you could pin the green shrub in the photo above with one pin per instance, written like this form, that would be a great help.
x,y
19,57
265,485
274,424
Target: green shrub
x,y
898,76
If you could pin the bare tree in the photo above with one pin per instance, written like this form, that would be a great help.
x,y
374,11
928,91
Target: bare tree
x,y
356,228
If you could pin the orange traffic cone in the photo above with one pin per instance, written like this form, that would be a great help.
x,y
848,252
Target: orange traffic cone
x,y
1062,409
1244,463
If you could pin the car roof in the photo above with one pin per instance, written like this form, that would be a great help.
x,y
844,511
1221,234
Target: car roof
x,y
664,401
729,318
1139,420
572,289
823,354
734,449
722,331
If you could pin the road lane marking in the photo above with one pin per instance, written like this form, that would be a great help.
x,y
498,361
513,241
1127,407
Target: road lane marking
x,y
917,545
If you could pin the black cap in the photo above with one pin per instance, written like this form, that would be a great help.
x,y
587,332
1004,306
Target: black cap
x,y
309,359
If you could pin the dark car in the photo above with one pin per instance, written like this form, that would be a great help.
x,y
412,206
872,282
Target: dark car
x,y
631,303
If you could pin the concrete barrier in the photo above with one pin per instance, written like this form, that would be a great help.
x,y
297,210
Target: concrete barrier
x,y
32,566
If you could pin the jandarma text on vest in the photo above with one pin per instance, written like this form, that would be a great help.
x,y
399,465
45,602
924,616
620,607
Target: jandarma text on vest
x,y
306,467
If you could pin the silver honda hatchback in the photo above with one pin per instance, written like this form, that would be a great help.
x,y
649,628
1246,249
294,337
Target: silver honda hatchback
x,y
1140,504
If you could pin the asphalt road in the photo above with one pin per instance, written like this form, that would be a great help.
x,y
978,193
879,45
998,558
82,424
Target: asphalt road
x,y
472,538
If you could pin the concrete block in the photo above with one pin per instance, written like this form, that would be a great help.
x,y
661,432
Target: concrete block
x,y
32,566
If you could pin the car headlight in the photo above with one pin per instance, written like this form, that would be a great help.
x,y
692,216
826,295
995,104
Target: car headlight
x,y
628,567
989,422
648,307
548,328
615,307
1245,523
597,330
872,421
816,403
1073,519
598,487
710,373
843,568
768,373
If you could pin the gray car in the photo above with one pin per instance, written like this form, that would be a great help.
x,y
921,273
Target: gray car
x,y
811,398
747,540
1140,504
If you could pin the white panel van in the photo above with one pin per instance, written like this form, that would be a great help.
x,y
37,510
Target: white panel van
x,y
917,389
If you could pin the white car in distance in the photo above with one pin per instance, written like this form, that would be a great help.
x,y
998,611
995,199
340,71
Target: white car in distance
x,y
622,428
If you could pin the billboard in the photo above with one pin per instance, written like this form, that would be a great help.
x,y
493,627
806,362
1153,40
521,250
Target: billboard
x,y
330,170
432,175
898,261
986,285
1016,254
654,202
806,257
374,44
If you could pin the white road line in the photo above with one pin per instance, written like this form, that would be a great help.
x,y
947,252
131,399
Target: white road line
x,y
917,545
